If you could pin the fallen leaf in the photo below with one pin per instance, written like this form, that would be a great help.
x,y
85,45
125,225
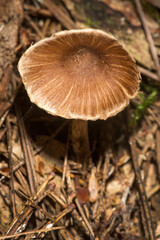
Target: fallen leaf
x,y
93,186
40,165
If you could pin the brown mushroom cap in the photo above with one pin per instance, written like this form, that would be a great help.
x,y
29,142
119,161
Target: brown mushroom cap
x,y
81,74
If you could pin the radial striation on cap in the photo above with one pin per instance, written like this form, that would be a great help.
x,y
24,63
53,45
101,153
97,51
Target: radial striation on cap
x,y
80,74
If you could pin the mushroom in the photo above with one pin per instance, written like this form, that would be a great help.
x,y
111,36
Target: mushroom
x,y
82,75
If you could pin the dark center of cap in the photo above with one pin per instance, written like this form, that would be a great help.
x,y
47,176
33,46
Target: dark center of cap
x,y
83,61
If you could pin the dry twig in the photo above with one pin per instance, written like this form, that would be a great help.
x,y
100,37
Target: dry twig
x,y
149,37
84,218
60,13
19,223
12,192
27,152
32,232
158,151
149,74
142,193
33,25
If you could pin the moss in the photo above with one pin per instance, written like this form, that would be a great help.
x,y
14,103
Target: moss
x,y
150,10
145,102
92,23
110,20
88,5
93,5
79,9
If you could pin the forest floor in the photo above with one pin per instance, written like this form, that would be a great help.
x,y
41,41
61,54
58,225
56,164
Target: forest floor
x,y
44,191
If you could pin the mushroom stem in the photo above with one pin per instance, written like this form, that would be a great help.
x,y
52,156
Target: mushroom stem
x,y
80,140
